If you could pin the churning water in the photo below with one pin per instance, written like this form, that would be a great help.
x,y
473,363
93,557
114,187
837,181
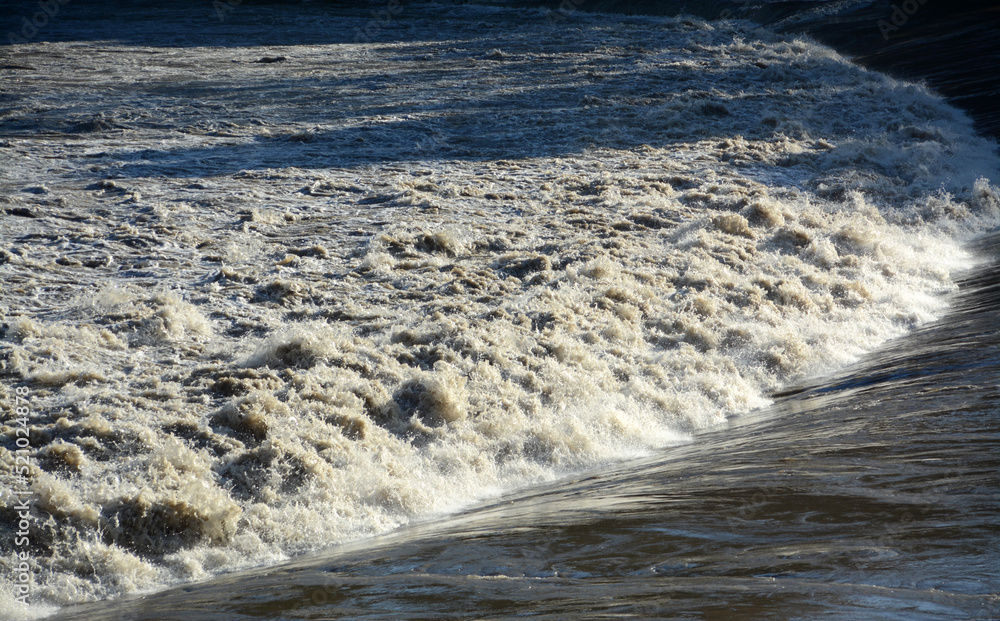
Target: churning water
x,y
287,279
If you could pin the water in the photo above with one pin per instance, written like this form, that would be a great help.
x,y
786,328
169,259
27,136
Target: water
x,y
870,496
273,287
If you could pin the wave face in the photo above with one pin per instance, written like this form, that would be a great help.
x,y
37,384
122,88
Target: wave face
x,y
267,299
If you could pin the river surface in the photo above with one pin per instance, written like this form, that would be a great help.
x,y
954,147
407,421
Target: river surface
x,y
430,311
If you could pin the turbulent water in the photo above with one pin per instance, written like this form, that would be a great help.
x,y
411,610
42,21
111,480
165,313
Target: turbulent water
x,y
302,277
872,495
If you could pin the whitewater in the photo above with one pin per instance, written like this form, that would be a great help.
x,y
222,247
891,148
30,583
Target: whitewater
x,y
269,298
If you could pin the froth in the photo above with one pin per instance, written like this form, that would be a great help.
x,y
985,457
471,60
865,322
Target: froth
x,y
324,353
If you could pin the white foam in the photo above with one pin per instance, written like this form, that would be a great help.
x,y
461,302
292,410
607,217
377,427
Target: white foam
x,y
315,348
